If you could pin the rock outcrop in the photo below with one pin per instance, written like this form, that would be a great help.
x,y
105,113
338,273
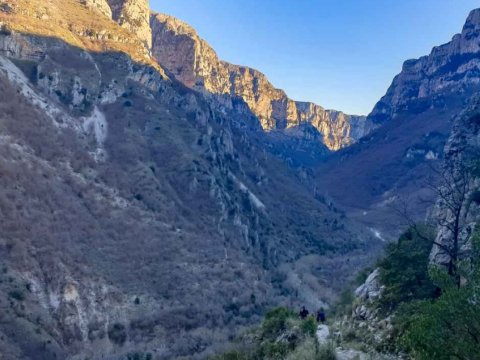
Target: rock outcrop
x,y
98,5
367,323
452,67
457,211
133,15
91,28
191,60
371,289
413,123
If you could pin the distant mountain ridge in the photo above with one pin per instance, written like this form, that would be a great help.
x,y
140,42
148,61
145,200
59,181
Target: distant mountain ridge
x,y
449,68
190,59
413,122
177,47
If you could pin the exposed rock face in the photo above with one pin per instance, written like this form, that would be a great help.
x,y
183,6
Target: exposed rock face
x,y
190,59
413,123
133,15
371,289
98,5
366,295
177,46
366,322
89,30
451,67
461,150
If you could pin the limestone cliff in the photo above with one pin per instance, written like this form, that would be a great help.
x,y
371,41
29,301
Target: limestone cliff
x,y
133,15
177,46
91,27
457,211
98,5
449,68
413,123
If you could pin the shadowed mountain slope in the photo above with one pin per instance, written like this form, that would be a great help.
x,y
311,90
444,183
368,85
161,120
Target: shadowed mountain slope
x,y
138,215
414,120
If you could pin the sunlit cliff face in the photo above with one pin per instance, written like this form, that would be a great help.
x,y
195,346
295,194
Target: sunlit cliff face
x,y
190,59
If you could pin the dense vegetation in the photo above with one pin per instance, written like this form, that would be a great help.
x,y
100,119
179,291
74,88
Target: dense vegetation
x,y
404,269
282,335
448,327
435,317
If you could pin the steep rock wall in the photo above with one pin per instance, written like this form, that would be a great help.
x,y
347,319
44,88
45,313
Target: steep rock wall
x,y
450,67
191,60
133,15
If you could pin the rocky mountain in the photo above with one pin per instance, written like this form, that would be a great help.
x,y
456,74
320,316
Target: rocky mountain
x,y
424,83
434,263
414,121
133,15
191,60
141,217
457,212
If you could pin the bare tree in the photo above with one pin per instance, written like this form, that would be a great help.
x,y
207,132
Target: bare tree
x,y
453,192
452,185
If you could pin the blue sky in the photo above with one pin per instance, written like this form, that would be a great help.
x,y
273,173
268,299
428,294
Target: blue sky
x,y
341,54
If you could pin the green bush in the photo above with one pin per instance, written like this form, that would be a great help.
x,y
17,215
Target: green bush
x,y
327,352
139,356
271,349
344,303
232,355
275,321
307,350
404,269
448,327
117,334
309,326
17,295
282,335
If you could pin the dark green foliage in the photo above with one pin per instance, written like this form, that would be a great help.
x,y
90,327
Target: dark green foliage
x,y
309,326
17,295
404,270
362,276
273,350
448,327
233,355
139,356
275,321
344,303
117,334
475,197
326,352
282,335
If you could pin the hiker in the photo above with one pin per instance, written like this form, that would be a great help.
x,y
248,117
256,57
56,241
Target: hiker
x,y
303,312
321,317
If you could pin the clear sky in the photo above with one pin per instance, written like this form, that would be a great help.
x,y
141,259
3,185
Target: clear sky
x,y
341,54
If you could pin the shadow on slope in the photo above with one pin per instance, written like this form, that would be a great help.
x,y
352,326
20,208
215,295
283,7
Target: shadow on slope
x,y
392,165
138,216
